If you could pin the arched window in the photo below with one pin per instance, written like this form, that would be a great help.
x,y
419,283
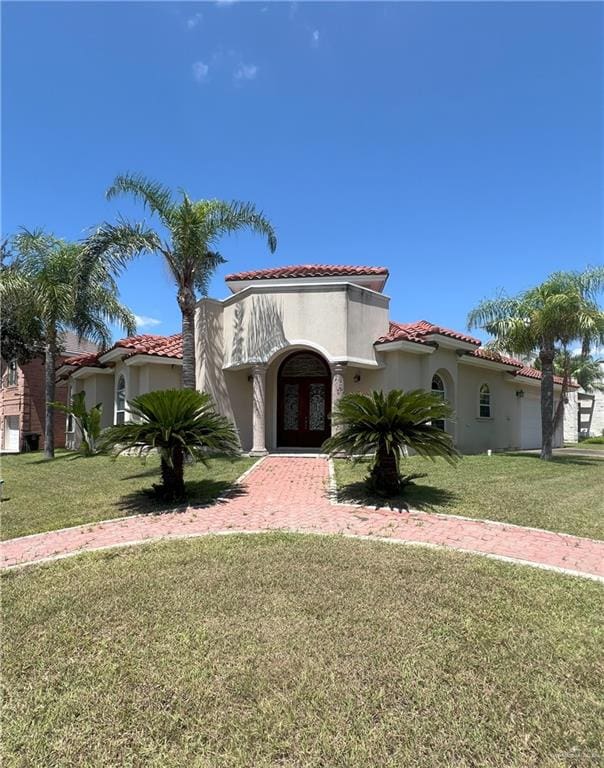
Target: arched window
x,y
69,425
484,403
12,375
438,388
120,400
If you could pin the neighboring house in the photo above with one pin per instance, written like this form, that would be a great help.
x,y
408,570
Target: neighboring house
x,y
279,352
130,367
22,400
584,416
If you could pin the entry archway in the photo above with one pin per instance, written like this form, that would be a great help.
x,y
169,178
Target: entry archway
x,y
303,401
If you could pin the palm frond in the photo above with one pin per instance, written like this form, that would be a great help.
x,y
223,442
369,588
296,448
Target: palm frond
x,y
156,197
225,218
368,423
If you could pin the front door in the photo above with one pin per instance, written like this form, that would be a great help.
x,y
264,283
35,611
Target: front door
x,y
304,398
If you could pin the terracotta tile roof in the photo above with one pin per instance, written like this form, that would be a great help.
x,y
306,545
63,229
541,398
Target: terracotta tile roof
x,y
150,344
82,361
534,373
419,331
496,357
144,344
308,270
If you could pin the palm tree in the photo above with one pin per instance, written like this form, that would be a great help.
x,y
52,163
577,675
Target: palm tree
x,y
588,372
192,229
385,425
44,278
546,319
177,423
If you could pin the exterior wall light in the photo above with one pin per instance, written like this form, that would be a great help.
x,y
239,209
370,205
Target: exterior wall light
x,y
519,393
357,377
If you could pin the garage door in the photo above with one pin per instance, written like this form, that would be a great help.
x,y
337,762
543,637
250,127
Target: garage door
x,y
11,433
530,425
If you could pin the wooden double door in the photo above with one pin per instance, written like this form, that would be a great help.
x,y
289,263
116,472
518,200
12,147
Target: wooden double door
x,y
303,401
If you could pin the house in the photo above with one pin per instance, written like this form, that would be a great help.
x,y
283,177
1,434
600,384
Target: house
x,y
130,367
22,399
281,349
584,416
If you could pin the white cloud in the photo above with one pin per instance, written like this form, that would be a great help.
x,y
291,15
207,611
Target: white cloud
x,y
245,72
314,40
193,21
143,321
200,71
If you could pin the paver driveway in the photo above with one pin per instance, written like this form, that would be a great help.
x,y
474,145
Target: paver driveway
x,y
292,494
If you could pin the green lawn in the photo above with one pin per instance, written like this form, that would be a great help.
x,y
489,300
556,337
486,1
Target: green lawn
x,y
565,494
41,495
597,444
300,651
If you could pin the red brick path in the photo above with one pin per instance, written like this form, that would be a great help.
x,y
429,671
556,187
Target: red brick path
x,y
291,493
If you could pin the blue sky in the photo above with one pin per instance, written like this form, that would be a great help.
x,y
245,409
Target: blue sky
x,y
459,144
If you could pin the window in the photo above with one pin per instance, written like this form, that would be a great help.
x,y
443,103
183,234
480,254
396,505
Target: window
x,y
120,401
69,424
11,376
438,388
484,406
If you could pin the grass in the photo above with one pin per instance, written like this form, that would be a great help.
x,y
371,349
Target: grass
x,y
563,495
300,652
41,495
597,442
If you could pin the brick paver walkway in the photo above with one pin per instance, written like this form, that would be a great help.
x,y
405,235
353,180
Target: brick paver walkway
x,y
292,493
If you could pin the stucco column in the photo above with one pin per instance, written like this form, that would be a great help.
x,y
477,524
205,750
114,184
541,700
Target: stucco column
x,y
337,388
259,410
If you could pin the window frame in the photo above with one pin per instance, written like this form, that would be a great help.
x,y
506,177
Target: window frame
x,y
12,373
69,422
440,423
120,413
488,404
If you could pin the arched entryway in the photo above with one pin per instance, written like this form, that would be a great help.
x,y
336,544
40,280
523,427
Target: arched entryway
x,y
303,401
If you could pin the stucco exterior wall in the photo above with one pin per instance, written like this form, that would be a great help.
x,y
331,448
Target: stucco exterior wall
x,y
499,431
339,320
162,376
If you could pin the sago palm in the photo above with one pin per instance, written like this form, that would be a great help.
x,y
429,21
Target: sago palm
x,y
384,425
177,423
546,319
189,233
45,279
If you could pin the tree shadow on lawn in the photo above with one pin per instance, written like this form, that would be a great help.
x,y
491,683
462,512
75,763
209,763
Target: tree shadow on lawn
x,y
425,498
199,493
72,456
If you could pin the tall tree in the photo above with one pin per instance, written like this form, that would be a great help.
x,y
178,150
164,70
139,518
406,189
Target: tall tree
x,y
546,320
187,240
21,336
45,276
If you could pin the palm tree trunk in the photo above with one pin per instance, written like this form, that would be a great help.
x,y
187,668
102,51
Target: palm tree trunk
x,y
385,475
186,302
173,481
546,355
50,351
